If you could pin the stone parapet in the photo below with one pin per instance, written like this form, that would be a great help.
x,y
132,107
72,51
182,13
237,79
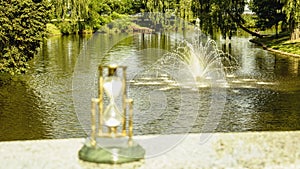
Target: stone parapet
x,y
219,150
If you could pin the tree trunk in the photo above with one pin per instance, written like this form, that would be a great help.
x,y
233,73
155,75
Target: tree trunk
x,y
276,27
295,31
295,34
249,31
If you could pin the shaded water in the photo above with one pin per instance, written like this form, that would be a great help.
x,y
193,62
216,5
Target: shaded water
x,y
53,99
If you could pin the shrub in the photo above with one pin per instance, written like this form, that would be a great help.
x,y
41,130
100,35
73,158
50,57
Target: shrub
x,y
66,27
52,29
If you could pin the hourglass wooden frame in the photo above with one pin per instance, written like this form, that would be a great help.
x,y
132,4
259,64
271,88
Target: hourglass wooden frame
x,y
112,131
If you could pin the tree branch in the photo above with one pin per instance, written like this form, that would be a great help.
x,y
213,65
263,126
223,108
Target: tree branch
x,y
237,21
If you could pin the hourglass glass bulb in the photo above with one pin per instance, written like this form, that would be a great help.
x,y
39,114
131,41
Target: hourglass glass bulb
x,y
112,116
112,83
112,86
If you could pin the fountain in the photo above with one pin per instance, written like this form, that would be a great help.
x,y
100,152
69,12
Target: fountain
x,y
204,59
200,59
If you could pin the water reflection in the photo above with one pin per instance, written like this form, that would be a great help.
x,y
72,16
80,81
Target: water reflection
x,y
263,94
20,116
255,83
39,104
287,66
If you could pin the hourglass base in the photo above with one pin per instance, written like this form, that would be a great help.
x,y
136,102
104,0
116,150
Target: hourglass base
x,y
112,151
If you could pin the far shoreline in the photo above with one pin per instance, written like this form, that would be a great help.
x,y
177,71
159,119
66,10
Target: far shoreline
x,y
279,44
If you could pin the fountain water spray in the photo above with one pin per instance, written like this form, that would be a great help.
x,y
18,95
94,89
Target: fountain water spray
x,y
205,61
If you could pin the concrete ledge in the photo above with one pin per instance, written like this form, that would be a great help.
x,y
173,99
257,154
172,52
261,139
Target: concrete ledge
x,y
221,150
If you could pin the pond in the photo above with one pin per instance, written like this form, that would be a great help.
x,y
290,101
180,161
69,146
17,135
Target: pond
x,y
53,99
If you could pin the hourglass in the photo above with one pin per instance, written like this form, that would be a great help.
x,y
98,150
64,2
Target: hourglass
x,y
111,135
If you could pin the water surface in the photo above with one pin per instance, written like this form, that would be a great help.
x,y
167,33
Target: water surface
x,y
53,99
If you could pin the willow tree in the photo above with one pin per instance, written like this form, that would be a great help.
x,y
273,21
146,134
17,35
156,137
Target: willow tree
x,y
223,15
162,6
185,8
292,11
159,11
202,10
69,14
70,9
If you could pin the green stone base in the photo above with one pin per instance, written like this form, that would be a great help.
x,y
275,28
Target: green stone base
x,y
111,154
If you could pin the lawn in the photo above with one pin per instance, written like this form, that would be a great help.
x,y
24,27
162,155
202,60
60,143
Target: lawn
x,y
281,42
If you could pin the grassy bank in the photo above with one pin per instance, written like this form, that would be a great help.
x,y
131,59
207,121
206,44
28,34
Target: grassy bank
x,y
280,44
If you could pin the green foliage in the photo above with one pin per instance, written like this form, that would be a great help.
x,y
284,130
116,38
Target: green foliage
x,y
22,28
13,61
224,15
181,8
281,43
249,20
68,27
185,9
134,6
70,9
269,12
116,15
80,15
291,9
155,5
119,23
69,14
52,29
203,11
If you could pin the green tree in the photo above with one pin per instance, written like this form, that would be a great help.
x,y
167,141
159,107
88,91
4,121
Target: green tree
x,y
185,8
69,14
22,29
269,13
70,9
155,5
202,10
224,15
76,15
292,11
